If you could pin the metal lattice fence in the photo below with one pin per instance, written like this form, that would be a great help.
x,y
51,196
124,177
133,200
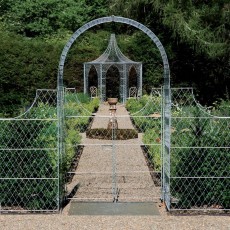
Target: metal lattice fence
x,y
29,174
200,156
194,176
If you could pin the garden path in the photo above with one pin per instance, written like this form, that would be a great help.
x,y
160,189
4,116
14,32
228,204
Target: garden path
x,y
93,176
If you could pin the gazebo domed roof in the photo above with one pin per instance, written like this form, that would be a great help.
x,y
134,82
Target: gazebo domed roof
x,y
112,54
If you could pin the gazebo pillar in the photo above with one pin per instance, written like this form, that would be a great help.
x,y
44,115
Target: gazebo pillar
x,y
100,81
139,81
123,83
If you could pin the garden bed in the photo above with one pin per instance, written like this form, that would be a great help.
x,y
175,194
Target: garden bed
x,y
74,164
109,134
156,176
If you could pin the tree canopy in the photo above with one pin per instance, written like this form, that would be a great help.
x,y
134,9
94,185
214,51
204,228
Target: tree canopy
x,y
43,17
204,25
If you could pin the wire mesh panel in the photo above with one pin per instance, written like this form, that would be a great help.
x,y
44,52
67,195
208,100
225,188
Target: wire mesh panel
x,y
29,172
145,152
86,141
200,156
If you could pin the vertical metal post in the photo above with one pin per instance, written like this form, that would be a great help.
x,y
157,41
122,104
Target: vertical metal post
x,y
114,162
101,88
127,83
85,84
124,87
140,82
60,137
166,143
162,146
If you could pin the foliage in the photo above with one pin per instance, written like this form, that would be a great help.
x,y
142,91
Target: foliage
x,y
25,65
195,35
32,64
97,8
152,139
31,141
202,25
200,172
43,17
141,113
40,194
202,189
146,106
76,105
28,152
221,108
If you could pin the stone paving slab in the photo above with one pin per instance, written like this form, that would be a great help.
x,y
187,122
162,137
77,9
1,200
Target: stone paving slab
x,y
103,208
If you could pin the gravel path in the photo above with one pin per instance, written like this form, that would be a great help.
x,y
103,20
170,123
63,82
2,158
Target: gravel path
x,y
65,222
94,172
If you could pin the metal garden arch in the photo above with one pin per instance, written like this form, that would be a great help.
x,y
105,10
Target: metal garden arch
x,y
166,93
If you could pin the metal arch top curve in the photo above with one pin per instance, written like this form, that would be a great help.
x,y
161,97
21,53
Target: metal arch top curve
x,y
118,19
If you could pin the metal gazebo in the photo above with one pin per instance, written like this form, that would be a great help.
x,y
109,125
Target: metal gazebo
x,y
113,57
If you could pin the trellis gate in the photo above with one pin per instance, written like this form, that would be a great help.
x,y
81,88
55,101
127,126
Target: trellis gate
x,y
166,102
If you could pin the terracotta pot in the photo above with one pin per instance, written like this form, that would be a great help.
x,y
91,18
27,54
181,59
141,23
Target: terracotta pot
x,y
112,101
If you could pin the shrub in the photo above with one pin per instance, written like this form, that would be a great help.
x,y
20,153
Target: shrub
x,y
28,151
34,194
222,108
143,119
203,182
109,134
152,140
202,171
81,106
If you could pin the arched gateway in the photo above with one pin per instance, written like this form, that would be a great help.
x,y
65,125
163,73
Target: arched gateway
x,y
166,92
